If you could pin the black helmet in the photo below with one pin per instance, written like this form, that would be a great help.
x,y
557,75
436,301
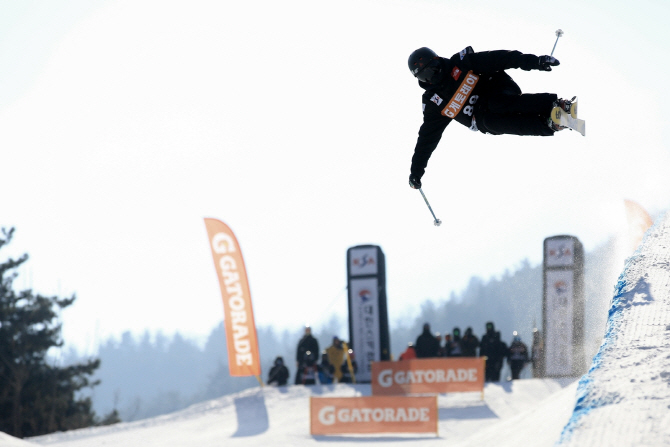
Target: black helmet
x,y
424,64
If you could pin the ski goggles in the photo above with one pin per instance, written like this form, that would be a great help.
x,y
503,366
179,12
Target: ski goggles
x,y
427,72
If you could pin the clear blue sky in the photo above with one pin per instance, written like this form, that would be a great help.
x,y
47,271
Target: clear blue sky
x,y
123,124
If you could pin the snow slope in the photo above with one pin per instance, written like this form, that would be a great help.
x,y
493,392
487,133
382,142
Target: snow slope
x,y
624,399
10,441
280,416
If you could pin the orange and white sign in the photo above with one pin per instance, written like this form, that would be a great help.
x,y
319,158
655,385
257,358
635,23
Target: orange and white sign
x,y
461,96
422,376
373,414
243,358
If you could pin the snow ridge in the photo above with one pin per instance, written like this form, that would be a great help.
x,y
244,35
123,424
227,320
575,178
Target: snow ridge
x,y
624,398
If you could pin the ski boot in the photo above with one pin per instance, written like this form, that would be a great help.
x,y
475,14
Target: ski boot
x,y
568,105
564,115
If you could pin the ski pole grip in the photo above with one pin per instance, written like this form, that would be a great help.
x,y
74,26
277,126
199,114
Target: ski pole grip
x,y
559,33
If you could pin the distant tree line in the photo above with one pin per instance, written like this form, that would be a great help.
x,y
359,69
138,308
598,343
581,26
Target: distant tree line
x,y
136,377
514,302
147,375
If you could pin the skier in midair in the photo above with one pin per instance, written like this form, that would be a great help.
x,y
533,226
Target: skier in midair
x,y
474,89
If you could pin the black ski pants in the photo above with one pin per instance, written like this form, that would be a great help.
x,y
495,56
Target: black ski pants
x,y
516,366
505,110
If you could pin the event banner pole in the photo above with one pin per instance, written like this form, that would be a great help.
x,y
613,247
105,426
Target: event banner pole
x,y
368,314
563,307
241,338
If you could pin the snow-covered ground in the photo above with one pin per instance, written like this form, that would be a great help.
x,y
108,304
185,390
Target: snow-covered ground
x,y
280,417
624,399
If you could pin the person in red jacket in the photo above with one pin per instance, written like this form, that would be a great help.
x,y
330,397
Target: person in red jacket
x,y
409,353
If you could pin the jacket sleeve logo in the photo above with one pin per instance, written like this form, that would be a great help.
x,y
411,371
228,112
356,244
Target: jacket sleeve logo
x,y
436,99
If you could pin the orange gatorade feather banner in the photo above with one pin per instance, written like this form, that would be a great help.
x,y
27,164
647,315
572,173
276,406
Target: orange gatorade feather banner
x,y
434,375
373,414
639,222
243,357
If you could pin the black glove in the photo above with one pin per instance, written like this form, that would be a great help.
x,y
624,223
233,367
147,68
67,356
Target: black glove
x,y
546,62
414,181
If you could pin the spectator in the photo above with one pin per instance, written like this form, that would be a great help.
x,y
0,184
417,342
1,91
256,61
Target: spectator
x,y
347,376
497,357
537,354
518,356
409,353
487,349
326,370
469,343
278,373
447,343
335,354
306,343
441,350
426,345
455,349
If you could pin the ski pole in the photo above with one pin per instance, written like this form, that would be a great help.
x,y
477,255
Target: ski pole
x,y
437,222
559,33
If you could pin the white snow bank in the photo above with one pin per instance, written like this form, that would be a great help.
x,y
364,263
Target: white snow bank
x,y
280,416
11,441
624,399
539,425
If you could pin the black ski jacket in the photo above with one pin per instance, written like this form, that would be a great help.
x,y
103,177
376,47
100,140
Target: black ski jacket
x,y
426,345
306,343
468,78
278,374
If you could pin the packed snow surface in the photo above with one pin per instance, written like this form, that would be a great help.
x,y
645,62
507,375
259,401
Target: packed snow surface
x,y
624,399
280,417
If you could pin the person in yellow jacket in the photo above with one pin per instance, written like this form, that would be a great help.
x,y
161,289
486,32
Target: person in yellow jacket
x,y
335,354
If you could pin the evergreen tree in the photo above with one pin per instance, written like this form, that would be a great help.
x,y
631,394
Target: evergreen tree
x,y
35,397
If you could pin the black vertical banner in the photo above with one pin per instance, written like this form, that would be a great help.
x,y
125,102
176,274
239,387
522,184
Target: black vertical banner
x,y
368,313
563,307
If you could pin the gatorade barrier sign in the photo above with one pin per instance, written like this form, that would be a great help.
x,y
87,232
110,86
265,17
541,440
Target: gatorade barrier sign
x,y
373,414
426,376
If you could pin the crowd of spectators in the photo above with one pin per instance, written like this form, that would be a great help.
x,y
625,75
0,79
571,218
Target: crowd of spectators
x,y
336,364
430,345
